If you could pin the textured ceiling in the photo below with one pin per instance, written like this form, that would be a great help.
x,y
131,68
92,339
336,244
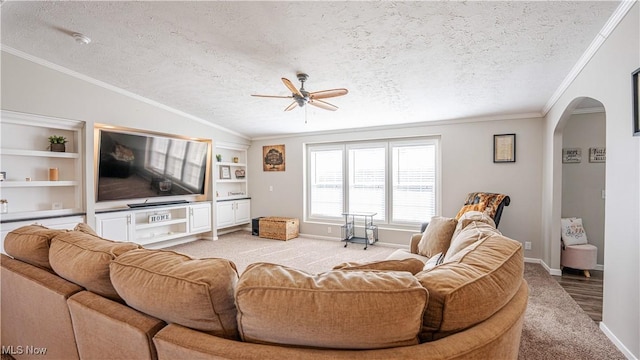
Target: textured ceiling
x,y
403,62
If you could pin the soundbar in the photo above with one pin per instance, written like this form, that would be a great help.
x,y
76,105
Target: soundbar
x,y
163,203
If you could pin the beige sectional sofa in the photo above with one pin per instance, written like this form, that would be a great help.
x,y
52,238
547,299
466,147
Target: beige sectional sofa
x,y
79,296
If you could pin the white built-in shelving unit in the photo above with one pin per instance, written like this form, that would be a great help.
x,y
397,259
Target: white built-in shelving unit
x,y
231,182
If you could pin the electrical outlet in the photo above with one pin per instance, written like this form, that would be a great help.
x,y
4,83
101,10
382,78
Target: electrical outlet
x,y
527,245
329,230
270,187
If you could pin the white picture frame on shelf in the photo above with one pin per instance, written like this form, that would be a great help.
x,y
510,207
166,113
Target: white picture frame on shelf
x,y
225,172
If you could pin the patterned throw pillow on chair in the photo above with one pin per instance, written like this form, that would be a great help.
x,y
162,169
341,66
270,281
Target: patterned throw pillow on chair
x,y
572,231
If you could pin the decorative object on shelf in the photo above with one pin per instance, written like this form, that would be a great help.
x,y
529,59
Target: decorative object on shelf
x,y
56,206
273,158
597,155
225,172
53,174
219,157
636,102
27,179
3,176
571,155
235,193
159,217
4,206
240,174
57,143
235,159
504,148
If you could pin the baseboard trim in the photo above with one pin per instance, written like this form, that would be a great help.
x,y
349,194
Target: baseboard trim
x,y
379,243
623,349
553,272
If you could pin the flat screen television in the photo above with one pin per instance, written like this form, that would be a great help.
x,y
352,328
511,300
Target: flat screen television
x,y
142,166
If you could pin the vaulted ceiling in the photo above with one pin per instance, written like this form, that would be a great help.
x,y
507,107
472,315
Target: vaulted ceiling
x,y
403,62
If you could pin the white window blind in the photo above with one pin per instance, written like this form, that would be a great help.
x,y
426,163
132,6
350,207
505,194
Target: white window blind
x,y
414,182
397,179
367,180
326,189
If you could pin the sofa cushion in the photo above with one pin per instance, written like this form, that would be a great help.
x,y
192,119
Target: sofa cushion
x,y
337,309
470,217
413,266
85,228
197,293
475,283
437,236
31,244
473,232
84,259
471,207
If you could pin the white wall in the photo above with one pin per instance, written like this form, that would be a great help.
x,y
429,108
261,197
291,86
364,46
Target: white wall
x,y
606,78
467,166
583,183
32,88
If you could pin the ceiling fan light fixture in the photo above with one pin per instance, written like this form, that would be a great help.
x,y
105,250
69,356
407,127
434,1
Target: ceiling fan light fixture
x,y
81,38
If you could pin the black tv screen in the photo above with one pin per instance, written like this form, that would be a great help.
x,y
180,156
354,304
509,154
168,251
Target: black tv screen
x,y
136,166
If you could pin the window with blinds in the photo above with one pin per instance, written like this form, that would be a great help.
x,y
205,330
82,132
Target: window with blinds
x,y
397,179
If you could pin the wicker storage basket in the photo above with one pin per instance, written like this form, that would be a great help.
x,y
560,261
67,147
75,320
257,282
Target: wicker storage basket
x,y
279,228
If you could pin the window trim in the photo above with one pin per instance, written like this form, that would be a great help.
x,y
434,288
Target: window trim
x,y
388,144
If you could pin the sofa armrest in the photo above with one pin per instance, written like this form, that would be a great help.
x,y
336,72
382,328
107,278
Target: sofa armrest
x,y
34,309
99,323
415,239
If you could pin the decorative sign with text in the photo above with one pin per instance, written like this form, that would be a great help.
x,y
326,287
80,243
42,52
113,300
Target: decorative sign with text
x,y
159,217
597,155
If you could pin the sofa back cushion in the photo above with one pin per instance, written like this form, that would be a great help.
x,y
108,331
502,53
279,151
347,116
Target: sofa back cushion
x,y
472,286
84,259
411,265
337,309
31,244
196,293
474,231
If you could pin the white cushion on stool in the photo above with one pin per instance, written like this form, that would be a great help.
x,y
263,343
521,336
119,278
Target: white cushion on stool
x,y
581,257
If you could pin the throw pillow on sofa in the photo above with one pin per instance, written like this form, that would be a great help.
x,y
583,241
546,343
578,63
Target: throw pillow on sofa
x,y
573,232
196,293
337,309
413,266
84,259
473,232
31,244
436,236
470,217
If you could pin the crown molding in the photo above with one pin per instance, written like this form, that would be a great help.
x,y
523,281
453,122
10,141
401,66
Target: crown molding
x,y
604,33
113,88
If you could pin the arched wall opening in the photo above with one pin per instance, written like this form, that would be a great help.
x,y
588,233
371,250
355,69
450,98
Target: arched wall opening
x,y
573,115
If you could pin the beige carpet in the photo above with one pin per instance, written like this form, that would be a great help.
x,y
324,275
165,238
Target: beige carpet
x,y
555,327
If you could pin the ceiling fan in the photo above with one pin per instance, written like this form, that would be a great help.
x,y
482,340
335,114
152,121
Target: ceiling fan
x,y
301,97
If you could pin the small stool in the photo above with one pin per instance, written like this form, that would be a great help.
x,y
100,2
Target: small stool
x,y
582,257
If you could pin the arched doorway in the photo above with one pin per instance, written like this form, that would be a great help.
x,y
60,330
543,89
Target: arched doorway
x,y
579,191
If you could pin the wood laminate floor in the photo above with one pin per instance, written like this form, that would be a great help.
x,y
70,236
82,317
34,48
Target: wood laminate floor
x,y
587,292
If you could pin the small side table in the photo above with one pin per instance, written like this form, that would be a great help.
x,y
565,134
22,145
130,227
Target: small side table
x,y
370,230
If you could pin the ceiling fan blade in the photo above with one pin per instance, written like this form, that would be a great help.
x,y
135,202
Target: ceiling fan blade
x,y
291,87
324,94
291,106
274,96
323,104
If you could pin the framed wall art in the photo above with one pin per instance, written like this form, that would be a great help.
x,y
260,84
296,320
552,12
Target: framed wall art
x,y
636,102
597,155
504,148
571,155
273,158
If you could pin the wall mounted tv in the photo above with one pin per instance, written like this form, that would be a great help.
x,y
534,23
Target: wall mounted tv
x,y
142,166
